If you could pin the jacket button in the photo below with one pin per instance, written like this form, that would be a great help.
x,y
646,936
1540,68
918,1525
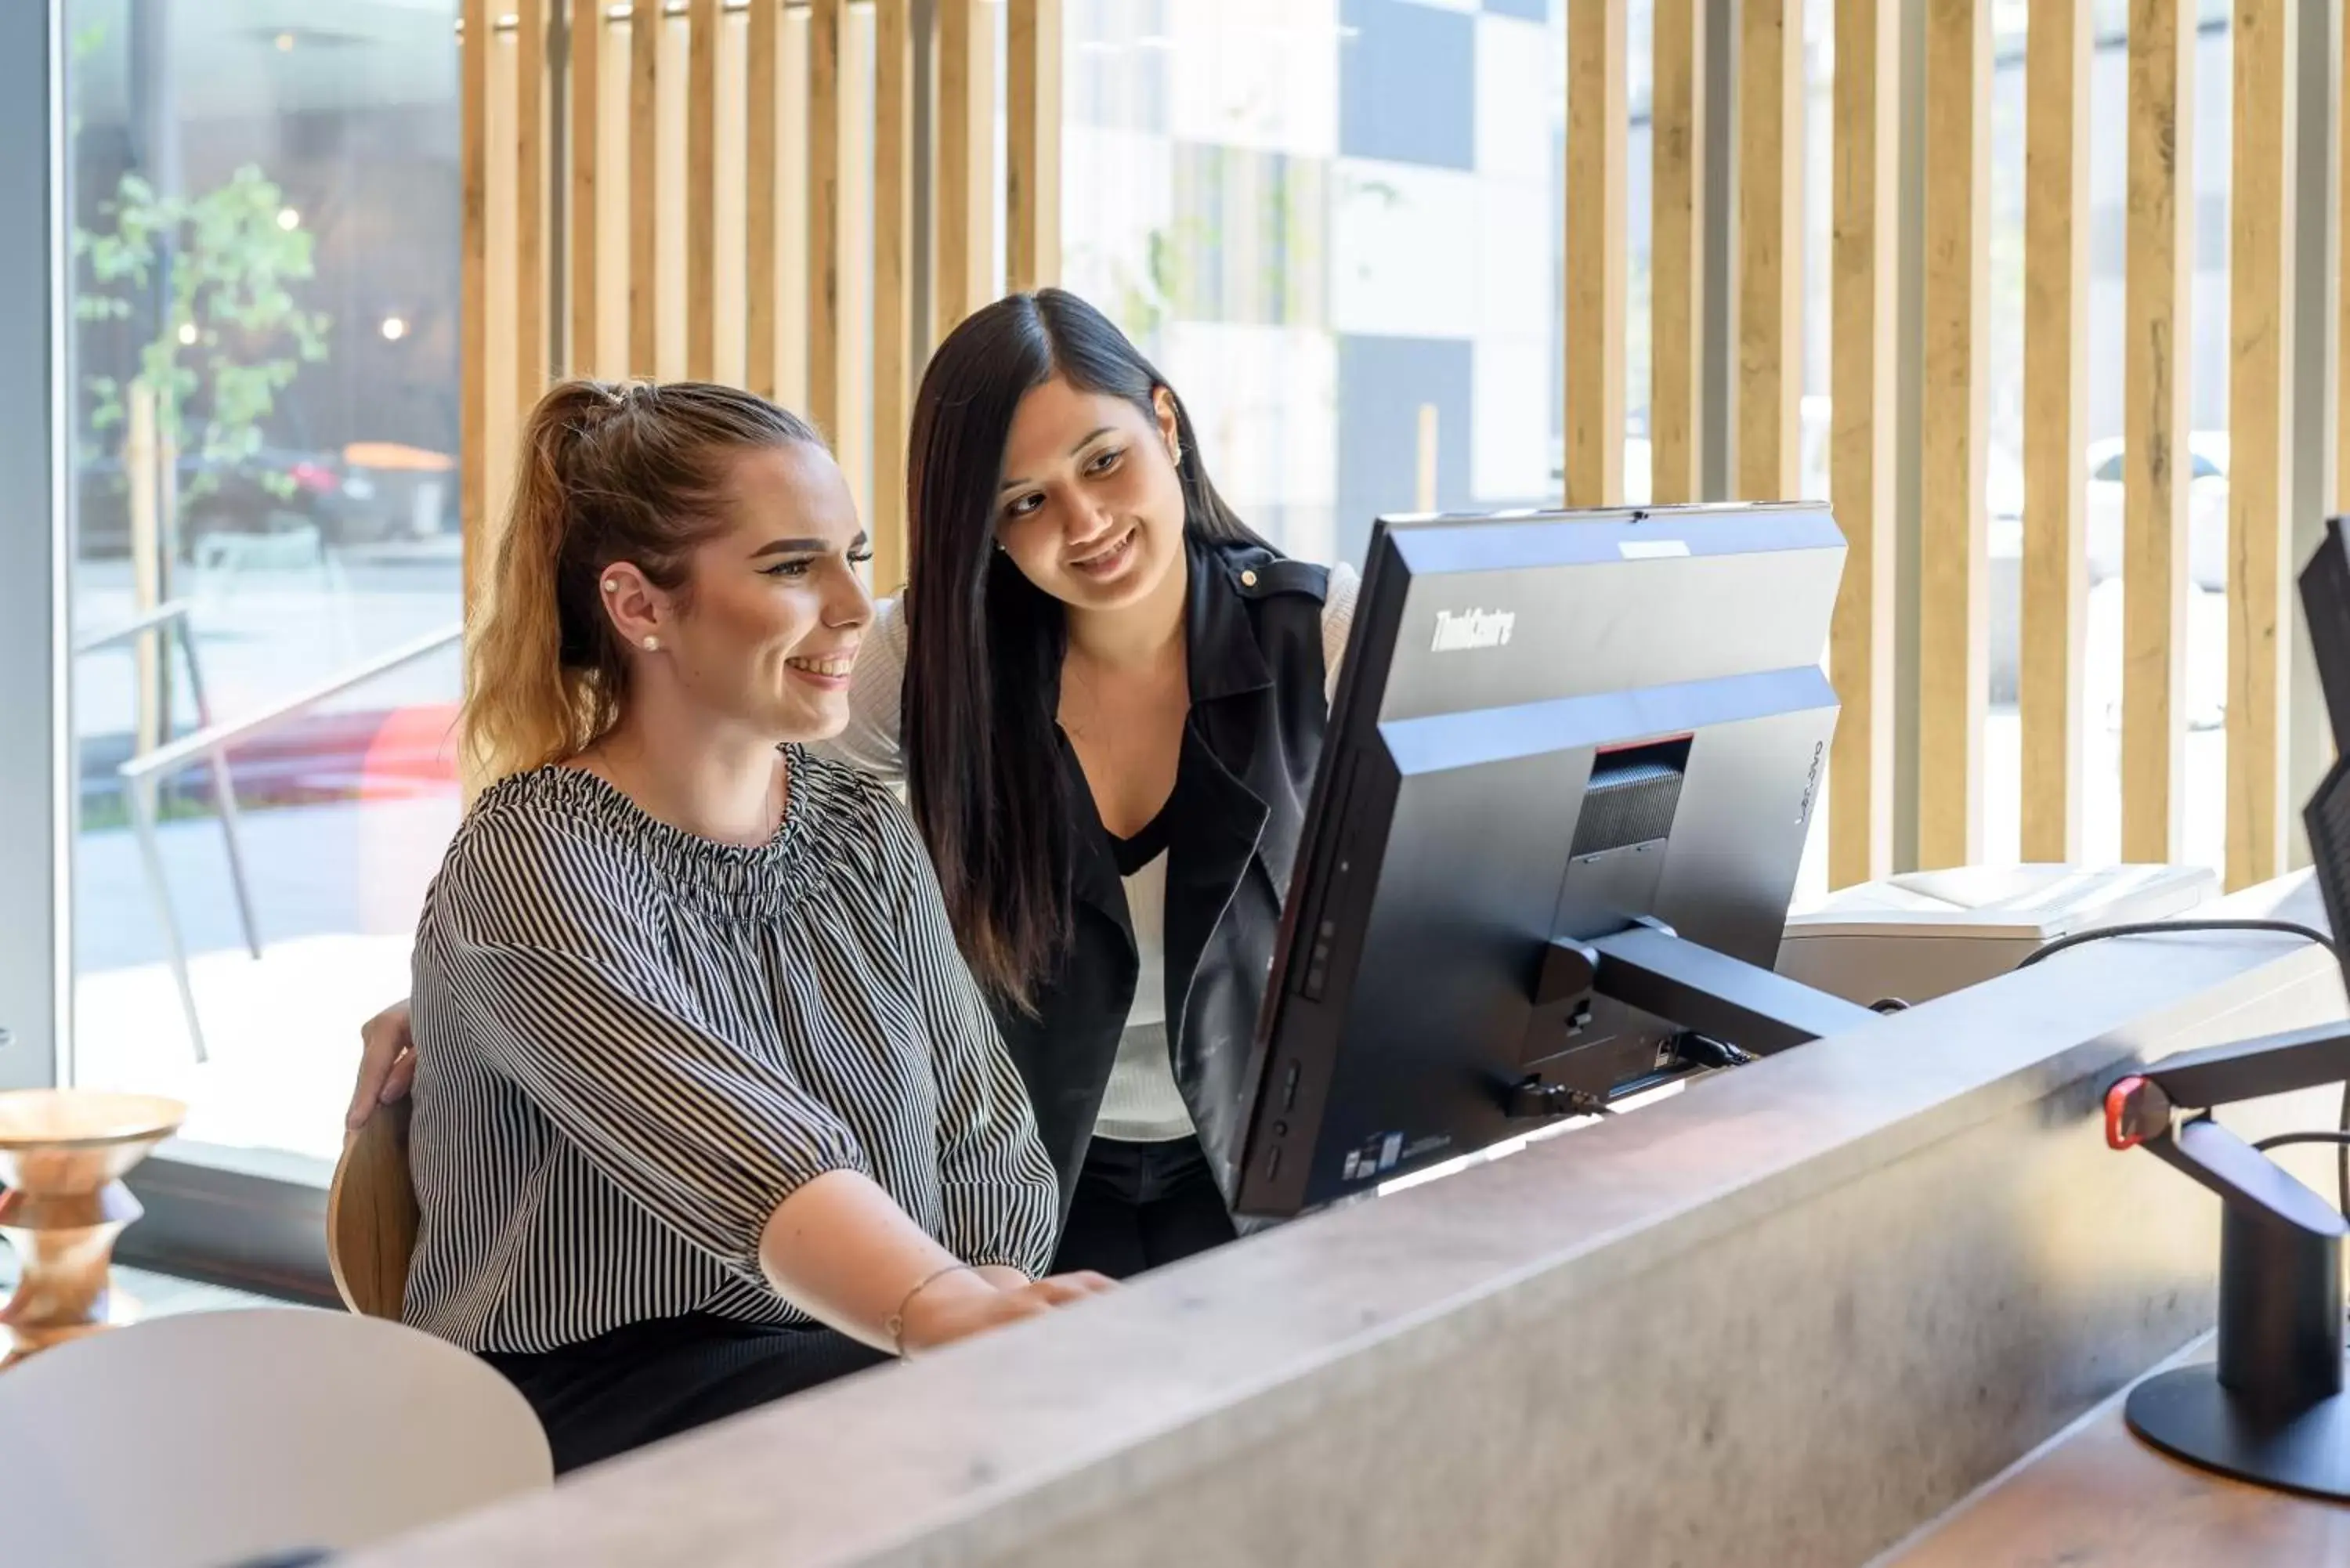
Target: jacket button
x,y
1248,579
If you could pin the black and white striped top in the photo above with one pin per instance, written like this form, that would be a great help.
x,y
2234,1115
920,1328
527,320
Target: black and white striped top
x,y
632,1043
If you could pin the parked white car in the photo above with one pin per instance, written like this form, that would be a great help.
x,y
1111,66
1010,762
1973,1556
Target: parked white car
x,y
2207,510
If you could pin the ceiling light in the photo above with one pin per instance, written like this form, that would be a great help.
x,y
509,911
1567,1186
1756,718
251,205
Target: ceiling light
x,y
394,328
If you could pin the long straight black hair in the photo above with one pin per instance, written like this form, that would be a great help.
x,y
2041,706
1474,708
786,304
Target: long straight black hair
x,y
984,645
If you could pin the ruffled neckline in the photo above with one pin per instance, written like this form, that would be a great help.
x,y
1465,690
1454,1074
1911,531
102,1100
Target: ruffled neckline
x,y
738,881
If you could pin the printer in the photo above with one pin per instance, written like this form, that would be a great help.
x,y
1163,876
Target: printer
x,y
1925,934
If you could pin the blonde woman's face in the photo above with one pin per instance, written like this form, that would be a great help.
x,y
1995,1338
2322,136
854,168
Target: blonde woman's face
x,y
775,608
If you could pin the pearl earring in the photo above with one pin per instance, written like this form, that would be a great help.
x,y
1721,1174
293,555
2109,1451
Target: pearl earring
x,y
612,584
1176,457
652,644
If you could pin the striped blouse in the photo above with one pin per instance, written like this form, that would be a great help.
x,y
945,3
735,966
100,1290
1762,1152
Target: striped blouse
x,y
632,1043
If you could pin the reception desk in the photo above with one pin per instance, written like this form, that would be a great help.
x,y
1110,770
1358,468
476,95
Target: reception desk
x,y
1791,1315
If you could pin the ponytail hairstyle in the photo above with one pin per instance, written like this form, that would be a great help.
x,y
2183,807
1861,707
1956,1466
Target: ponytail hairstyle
x,y
984,645
611,472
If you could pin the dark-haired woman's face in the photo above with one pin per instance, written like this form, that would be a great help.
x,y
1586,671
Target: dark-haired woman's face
x,y
1091,510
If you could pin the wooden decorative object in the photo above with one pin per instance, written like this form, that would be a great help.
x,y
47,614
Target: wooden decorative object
x,y
63,1153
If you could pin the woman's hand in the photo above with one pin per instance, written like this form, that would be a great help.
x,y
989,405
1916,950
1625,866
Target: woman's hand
x,y
965,1302
387,1063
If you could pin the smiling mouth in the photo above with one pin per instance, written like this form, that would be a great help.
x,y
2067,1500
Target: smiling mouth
x,y
830,666
1109,556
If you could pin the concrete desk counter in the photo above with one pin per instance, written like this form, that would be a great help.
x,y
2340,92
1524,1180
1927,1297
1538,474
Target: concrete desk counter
x,y
1788,1316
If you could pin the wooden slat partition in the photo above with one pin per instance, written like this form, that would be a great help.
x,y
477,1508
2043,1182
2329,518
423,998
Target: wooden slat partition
x,y
1770,249
765,42
473,286
827,24
1031,183
702,189
893,283
586,103
739,204
1677,252
2055,588
644,149
962,166
1953,632
2260,417
530,202
1861,447
2154,428
1592,309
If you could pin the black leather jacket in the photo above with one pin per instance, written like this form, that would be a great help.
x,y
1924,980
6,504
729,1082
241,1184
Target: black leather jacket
x,y
1253,631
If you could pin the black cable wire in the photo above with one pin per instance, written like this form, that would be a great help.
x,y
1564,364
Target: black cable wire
x,y
2341,1137
2166,927
2283,1140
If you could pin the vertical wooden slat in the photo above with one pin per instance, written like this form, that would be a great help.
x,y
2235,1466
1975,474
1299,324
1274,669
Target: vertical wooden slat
x,y
2054,586
730,217
2259,418
586,108
765,51
1592,319
792,212
1953,622
854,434
615,203
2342,278
644,150
826,20
1032,175
1865,265
2154,424
962,171
893,282
703,21
674,266
1676,253
530,198
472,284
1770,248
502,291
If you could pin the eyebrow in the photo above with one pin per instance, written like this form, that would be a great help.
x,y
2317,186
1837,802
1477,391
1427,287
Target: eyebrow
x,y
801,546
1096,435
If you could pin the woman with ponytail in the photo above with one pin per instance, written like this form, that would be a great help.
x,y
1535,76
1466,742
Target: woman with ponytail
x,y
1105,699
708,1108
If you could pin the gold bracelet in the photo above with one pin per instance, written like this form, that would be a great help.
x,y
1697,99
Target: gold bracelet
x,y
894,1324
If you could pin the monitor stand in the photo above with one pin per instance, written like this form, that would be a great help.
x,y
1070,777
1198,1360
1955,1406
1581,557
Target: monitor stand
x,y
1646,966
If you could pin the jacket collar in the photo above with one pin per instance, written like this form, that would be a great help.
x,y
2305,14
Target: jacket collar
x,y
1220,641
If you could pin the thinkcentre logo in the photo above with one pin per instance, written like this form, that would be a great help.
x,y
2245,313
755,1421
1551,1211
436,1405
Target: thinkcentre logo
x,y
1471,628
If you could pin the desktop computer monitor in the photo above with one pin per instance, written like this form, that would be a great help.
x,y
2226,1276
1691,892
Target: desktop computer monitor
x,y
1558,817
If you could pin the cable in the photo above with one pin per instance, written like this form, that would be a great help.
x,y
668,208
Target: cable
x,y
2341,1137
2341,1142
2166,928
2283,1140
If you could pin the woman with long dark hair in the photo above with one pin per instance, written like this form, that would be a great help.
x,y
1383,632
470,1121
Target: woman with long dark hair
x,y
1106,697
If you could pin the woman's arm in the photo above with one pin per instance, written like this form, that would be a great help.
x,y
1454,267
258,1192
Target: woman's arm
x,y
1001,1196
843,1252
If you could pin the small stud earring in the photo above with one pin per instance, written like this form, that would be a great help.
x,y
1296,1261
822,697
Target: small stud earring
x,y
1176,457
612,584
652,644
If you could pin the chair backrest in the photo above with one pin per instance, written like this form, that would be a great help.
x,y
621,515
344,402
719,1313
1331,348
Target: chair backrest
x,y
221,1436
371,1215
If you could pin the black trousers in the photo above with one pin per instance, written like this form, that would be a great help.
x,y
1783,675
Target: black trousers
x,y
652,1380
1140,1205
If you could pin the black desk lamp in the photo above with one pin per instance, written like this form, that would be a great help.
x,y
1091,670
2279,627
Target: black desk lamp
x,y
2271,1409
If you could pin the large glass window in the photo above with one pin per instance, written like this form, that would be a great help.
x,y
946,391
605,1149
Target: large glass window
x,y
265,576
1335,225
